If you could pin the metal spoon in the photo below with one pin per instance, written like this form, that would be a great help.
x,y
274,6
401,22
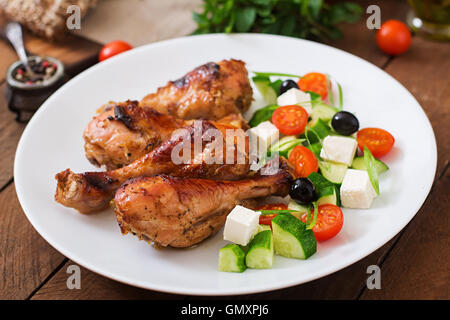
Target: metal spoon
x,y
13,32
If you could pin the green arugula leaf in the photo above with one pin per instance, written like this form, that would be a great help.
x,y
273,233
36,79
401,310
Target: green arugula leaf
x,y
262,115
314,96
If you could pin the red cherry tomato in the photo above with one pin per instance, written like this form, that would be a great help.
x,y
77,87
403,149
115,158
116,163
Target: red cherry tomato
x,y
267,218
329,221
113,48
304,161
315,82
394,37
290,120
378,141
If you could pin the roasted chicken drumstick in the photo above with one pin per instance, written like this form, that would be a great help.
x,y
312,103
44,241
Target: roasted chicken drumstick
x,y
123,132
181,212
211,91
91,191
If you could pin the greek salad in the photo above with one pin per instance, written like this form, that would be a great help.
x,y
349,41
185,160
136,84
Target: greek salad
x,y
336,165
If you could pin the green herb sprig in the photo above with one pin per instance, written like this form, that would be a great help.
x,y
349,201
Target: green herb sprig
x,y
312,19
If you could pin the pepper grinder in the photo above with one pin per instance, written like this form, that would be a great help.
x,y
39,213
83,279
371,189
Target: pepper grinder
x,y
25,90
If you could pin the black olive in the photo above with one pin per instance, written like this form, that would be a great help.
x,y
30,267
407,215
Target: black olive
x,y
302,190
286,85
345,123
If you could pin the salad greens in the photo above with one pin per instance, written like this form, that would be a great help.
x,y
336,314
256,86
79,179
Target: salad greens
x,y
262,115
312,19
371,168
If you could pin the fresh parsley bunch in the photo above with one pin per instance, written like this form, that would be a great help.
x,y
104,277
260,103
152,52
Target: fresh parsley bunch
x,y
313,19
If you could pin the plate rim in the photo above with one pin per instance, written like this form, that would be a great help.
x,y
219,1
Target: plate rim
x,y
196,291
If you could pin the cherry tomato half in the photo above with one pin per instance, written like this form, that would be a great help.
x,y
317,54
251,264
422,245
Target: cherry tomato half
x,y
290,120
394,37
315,82
329,221
267,218
113,48
304,161
378,141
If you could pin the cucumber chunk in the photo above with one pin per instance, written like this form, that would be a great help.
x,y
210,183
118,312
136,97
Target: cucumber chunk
x,y
319,130
263,227
322,111
284,145
358,164
330,199
291,238
232,259
267,91
300,209
294,205
333,172
260,253
325,190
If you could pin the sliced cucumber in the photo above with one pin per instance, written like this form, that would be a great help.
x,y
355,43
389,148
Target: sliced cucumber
x,y
358,163
263,227
330,199
267,91
333,172
232,259
291,238
325,190
294,205
300,210
284,145
260,253
319,130
322,111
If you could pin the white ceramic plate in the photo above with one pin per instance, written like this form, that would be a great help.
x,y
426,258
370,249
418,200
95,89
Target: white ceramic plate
x,y
53,142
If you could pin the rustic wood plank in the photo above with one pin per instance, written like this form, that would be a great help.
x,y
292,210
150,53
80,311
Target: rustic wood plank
x,y
73,51
344,284
423,70
10,132
26,259
360,41
418,266
94,287
8,56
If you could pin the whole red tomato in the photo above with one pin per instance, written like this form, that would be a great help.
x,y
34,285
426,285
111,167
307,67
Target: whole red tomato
x,y
113,48
394,37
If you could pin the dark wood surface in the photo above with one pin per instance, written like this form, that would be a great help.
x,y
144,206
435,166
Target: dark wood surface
x,y
414,264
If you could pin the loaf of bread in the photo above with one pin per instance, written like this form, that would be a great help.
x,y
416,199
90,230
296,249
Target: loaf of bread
x,y
43,17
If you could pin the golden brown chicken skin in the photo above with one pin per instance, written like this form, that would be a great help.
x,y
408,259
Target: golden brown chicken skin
x,y
181,212
211,91
123,132
91,191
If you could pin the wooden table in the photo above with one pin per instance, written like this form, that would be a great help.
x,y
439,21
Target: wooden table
x,y
414,264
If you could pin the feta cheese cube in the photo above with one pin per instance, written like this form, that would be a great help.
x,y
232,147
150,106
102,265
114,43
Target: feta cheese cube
x,y
338,149
262,137
356,190
241,225
295,96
